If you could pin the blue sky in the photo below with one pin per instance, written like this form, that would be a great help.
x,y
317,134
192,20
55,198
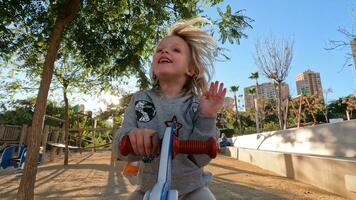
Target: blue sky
x,y
311,23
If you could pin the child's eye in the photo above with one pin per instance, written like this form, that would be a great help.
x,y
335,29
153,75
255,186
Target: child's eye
x,y
176,50
158,50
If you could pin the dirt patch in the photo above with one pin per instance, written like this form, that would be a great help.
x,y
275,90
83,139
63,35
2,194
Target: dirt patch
x,y
95,176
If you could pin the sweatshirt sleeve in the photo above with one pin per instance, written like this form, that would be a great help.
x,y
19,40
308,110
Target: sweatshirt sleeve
x,y
204,128
128,124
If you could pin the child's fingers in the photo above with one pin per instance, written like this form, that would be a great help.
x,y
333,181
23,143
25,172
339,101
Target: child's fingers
x,y
223,92
133,142
221,88
215,89
147,144
140,145
211,89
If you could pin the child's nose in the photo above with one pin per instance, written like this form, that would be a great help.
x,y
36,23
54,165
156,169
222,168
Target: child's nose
x,y
164,51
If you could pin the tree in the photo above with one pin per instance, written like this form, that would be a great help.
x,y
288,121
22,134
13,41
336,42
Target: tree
x,y
337,109
252,91
116,111
274,59
235,89
297,110
255,76
108,36
19,112
221,119
65,18
226,118
325,110
268,112
350,102
71,76
313,103
350,43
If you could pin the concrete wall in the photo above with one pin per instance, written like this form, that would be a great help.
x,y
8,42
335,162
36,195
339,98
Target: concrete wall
x,y
331,174
338,139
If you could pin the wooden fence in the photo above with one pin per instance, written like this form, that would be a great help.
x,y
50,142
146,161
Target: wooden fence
x,y
11,134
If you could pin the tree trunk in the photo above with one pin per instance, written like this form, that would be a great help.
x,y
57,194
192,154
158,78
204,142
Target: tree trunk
x,y
286,116
294,112
279,102
66,124
263,114
348,115
26,188
326,116
256,116
311,111
237,115
300,109
257,109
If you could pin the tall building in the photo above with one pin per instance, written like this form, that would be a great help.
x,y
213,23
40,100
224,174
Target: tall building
x,y
309,83
265,91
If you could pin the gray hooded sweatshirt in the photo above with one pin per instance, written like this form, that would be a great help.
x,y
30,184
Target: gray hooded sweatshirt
x,y
147,109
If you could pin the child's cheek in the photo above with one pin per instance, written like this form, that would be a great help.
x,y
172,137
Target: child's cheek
x,y
155,57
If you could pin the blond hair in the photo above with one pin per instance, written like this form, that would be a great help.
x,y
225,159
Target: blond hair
x,y
203,50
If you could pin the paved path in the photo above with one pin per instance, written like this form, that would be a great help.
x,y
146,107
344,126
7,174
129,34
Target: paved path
x,y
94,176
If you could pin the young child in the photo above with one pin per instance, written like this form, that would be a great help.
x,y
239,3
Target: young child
x,y
180,66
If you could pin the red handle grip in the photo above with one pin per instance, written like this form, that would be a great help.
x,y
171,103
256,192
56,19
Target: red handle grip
x,y
209,147
125,146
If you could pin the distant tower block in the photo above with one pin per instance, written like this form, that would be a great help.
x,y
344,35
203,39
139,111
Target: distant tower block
x,y
309,83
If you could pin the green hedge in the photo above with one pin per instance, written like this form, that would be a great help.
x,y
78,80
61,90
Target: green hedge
x,y
229,132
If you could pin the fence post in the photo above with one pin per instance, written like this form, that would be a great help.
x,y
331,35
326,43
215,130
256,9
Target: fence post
x,y
60,151
80,132
113,131
94,140
2,131
23,134
44,142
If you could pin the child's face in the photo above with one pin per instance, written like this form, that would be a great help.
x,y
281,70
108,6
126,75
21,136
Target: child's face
x,y
171,59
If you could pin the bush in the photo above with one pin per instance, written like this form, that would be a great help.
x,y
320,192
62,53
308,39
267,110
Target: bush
x,y
271,126
250,130
228,132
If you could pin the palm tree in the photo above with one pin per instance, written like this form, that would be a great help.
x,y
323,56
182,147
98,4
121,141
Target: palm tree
x,y
255,76
234,89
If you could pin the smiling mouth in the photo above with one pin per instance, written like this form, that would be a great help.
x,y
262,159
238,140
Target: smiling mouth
x,y
164,60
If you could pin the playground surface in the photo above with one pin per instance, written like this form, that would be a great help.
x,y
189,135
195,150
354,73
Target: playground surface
x,y
95,176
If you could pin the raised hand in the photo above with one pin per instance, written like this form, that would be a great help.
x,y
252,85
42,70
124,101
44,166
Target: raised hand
x,y
212,100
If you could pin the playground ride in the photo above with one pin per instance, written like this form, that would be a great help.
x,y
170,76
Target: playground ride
x,y
169,148
8,160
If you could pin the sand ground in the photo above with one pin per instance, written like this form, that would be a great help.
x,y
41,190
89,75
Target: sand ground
x,y
95,176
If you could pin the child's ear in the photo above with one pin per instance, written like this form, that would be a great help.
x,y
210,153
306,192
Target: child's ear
x,y
190,72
